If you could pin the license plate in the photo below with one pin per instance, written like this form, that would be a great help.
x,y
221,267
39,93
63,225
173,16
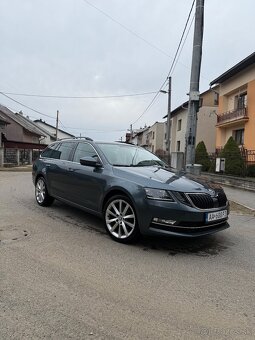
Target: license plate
x,y
217,215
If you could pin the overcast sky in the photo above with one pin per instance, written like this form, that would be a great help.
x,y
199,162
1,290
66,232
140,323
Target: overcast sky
x,y
70,48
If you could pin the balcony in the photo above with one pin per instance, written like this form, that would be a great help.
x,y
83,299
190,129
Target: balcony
x,y
237,115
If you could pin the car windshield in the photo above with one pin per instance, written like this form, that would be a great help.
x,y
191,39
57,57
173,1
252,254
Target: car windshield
x,y
127,155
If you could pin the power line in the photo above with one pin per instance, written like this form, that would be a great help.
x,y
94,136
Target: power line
x,y
28,107
77,97
96,130
185,27
127,29
172,65
183,43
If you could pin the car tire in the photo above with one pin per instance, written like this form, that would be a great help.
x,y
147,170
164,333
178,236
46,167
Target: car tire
x,y
41,193
120,220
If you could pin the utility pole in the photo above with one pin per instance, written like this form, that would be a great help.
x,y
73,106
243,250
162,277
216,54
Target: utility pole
x,y
190,137
168,131
57,125
168,122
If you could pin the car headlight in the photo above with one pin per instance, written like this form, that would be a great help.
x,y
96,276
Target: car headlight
x,y
158,194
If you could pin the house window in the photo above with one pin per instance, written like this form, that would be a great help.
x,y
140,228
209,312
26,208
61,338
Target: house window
x,y
178,145
153,135
200,102
239,136
241,101
179,125
216,98
152,148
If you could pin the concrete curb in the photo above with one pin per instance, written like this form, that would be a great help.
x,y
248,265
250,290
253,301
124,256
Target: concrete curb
x,y
17,169
231,181
245,206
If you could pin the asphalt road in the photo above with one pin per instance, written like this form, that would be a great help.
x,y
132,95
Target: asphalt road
x,y
62,277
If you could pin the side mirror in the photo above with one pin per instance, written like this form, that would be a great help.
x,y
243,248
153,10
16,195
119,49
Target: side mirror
x,y
90,161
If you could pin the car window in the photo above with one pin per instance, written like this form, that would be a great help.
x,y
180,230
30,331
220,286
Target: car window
x,y
84,150
49,152
127,155
64,151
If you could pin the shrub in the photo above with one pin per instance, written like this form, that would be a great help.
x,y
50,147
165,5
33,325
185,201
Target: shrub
x,y
234,162
250,170
201,156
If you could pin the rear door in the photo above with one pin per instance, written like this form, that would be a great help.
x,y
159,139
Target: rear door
x,y
57,169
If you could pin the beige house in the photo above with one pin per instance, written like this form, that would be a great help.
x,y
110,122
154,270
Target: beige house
x,y
236,115
152,138
155,138
138,137
207,118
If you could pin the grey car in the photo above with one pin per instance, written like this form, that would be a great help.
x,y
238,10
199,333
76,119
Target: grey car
x,y
130,188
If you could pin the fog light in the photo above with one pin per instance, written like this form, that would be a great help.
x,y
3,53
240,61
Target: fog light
x,y
162,221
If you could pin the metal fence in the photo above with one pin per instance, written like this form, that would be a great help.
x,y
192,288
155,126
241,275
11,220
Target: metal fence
x,y
247,155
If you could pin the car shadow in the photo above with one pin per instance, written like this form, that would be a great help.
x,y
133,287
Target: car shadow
x,y
203,246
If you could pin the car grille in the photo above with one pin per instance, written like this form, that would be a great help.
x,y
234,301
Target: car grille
x,y
205,201
202,201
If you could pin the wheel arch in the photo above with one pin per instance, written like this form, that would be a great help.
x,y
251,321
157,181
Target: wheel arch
x,y
38,176
114,192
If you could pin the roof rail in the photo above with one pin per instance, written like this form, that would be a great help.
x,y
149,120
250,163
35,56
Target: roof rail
x,y
80,137
124,142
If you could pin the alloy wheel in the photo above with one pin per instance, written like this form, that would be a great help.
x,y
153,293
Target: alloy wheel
x,y
40,191
120,219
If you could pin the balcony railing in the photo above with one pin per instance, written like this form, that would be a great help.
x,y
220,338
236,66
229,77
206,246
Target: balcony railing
x,y
232,115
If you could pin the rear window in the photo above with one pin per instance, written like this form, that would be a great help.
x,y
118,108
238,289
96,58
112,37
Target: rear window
x,y
58,151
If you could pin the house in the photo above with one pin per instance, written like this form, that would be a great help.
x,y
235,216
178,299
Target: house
x,y
206,121
3,124
50,131
138,137
236,113
21,140
20,128
155,136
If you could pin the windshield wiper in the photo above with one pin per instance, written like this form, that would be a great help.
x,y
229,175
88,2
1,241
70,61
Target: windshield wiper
x,y
148,162
123,165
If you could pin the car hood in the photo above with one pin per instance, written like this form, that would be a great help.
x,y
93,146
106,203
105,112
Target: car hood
x,y
154,176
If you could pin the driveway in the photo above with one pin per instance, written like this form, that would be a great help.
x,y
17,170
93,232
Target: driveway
x,y
62,277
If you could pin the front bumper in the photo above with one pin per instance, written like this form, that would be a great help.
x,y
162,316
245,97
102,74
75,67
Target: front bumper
x,y
189,221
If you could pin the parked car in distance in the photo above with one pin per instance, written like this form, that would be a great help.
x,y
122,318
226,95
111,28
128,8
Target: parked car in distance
x,y
130,188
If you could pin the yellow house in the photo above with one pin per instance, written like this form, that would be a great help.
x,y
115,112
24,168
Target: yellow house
x,y
236,112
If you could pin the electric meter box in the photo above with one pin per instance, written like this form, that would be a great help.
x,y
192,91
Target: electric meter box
x,y
220,164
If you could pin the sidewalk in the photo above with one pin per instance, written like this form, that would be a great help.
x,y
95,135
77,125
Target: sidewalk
x,y
241,196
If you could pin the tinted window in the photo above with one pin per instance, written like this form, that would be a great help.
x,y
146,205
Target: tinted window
x,y
49,152
64,151
84,150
